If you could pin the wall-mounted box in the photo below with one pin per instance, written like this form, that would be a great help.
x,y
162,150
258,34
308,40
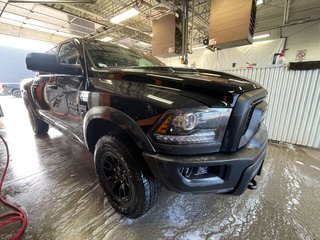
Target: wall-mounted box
x,y
231,22
166,39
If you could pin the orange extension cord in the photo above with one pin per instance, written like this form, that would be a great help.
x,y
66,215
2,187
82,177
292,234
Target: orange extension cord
x,y
19,214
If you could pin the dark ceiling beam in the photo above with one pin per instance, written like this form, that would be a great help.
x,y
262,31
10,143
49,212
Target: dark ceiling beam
x,y
4,7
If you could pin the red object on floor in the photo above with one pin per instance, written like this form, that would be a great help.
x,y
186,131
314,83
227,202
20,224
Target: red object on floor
x,y
19,214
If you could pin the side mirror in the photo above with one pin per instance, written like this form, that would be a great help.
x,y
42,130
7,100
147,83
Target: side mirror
x,y
43,62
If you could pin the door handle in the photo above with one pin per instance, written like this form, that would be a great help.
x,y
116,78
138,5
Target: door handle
x,y
52,86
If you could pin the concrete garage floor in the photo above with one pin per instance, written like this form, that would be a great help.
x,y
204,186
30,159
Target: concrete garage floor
x,y
54,180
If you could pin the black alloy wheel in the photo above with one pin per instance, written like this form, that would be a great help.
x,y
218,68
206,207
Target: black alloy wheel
x,y
117,178
129,190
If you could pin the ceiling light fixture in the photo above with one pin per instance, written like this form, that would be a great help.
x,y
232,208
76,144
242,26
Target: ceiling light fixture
x,y
144,44
121,45
199,47
259,2
124,16
261,36
106,39
262,42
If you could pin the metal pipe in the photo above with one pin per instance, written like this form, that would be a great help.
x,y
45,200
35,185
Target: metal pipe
x,y
4,7
288,11
285,15
192,24
172,7
184,52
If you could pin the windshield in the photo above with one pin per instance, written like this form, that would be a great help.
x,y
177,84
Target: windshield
x,y
107,55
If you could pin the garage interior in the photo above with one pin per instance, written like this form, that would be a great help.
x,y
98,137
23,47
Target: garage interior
x,y
53,178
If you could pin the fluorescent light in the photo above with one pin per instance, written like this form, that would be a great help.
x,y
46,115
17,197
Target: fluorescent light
x,y
261,36
263,42
148,33
259,2
120,45
199,47
144,44
106,39
125,15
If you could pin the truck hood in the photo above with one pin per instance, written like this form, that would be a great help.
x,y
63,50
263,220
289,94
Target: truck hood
x,y
190,82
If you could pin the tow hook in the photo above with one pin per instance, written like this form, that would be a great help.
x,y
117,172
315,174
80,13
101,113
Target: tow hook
x,y
252,184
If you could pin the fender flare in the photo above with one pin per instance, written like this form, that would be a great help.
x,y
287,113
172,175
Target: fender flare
x,y
120,119
29,103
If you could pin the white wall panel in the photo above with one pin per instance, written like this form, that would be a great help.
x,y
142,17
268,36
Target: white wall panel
x,y
259,53
294,103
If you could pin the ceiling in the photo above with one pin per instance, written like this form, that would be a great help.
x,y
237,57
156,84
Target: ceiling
x,y
270,15
57,20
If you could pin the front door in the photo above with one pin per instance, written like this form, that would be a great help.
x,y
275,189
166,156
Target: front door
x,y
62,92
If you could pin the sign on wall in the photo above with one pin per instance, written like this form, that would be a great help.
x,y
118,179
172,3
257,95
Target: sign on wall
x,y
301,55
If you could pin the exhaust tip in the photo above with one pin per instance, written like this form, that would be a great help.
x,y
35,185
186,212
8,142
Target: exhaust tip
x,y
253,185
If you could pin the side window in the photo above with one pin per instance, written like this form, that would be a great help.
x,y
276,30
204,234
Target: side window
x,y
68,54
53,51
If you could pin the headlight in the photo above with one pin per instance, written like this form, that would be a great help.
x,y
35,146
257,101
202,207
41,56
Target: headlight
x,y
192,126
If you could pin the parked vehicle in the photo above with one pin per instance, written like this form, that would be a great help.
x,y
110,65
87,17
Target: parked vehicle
x,y
12,89
23,81
191,130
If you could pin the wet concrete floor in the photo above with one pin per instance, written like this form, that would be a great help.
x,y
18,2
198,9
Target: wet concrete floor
x,y
53,178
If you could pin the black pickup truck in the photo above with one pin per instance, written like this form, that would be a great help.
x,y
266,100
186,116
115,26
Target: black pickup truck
x,y
148,125
12,89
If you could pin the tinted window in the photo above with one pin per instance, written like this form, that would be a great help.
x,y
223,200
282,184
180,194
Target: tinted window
x,y
68,54
106,55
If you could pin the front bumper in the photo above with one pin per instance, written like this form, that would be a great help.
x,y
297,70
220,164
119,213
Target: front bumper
x,y
220,172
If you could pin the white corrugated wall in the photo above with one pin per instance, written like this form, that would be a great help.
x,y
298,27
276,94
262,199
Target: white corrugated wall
x,y
294,103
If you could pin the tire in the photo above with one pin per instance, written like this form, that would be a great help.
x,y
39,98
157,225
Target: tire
x,y
128,189
16,93
39,127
